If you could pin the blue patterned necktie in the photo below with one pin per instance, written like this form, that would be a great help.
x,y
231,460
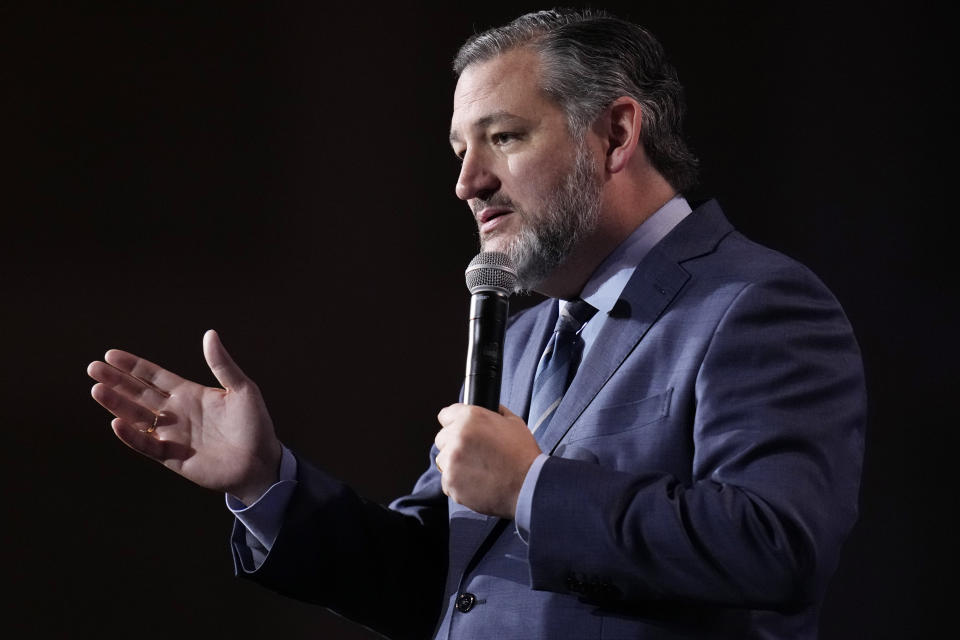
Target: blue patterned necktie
x,y
558,364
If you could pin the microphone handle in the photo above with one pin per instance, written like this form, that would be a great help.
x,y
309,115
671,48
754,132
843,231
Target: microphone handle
x,y
487,325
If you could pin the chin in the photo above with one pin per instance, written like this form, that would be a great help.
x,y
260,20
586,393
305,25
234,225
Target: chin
x,y
495,242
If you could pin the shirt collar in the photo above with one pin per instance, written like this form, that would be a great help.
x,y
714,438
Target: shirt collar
x,y
608,281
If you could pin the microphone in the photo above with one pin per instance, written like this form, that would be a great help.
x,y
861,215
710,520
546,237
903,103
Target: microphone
x,y
491,278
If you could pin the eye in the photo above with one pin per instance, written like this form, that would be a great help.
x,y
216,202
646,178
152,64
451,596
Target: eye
x,y
459,153
504,137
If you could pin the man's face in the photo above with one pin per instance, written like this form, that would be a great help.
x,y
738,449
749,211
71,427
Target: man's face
x,y
533,189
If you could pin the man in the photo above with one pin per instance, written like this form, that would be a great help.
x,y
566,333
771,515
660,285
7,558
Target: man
x,y
696,478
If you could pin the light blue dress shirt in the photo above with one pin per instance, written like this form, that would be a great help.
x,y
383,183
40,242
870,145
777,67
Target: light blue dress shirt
x,y
263,518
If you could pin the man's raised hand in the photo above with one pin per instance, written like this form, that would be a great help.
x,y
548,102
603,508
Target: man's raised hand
x,y
221,439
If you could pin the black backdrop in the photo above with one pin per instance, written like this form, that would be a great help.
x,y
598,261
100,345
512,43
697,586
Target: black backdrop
x,y
280,172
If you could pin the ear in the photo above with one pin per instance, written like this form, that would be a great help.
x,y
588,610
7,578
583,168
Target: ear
x,y
623,122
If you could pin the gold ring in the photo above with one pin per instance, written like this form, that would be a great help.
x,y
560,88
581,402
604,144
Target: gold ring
x,y
438,465
153,427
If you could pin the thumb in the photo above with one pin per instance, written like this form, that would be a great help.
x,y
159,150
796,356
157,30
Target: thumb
x,y
224,369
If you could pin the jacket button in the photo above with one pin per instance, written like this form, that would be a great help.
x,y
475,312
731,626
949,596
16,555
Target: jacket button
x,y
465,602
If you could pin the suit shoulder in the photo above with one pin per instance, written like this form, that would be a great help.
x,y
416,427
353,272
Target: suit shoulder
x,y
740,259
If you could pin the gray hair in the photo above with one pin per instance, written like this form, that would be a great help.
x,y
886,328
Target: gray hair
x,y
591,58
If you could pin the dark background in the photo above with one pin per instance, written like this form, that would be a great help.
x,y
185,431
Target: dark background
x,y
280,172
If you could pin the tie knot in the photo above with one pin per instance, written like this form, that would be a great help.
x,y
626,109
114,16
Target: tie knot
x,y
574,315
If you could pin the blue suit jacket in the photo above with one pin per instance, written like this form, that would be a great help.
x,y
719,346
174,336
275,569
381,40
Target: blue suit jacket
x,y
704,472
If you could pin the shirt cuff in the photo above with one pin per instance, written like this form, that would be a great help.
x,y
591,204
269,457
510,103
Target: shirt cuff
x,y
264,517
525,499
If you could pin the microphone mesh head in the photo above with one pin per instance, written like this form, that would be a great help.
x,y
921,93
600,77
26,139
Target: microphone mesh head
x,y
491,270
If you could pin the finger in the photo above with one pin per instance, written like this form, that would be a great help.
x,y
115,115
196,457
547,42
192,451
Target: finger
x,y
224,369
506,413
143,369
134,388
137,439
510,415
441,439
440,462
121,406
448,415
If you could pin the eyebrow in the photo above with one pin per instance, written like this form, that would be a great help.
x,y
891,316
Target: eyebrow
x,y
485,122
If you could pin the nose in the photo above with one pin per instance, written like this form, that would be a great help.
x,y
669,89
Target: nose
x,y
477,178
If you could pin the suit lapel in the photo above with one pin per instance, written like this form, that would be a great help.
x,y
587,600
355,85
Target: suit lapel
x,y
519,372
647,294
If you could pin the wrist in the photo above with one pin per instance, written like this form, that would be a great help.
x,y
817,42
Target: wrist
x,y
267,474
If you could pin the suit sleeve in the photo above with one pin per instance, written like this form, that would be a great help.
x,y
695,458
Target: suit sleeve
x,y
779,411
381,567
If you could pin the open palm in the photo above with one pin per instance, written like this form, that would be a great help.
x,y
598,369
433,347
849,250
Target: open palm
x,y
221,439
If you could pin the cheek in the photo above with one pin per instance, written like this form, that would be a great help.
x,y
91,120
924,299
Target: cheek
x,y
519,181
534,175
519,165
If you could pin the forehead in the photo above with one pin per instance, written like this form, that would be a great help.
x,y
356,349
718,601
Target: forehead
x,y
502,87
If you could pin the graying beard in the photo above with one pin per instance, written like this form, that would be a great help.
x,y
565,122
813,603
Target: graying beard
x,y
569,216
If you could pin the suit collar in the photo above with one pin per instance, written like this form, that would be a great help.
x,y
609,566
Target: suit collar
x,y
696,235
605,285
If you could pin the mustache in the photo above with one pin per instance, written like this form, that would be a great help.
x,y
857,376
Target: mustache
x,y
477,204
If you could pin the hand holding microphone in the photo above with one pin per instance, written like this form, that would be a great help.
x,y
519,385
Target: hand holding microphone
x,y
484,456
